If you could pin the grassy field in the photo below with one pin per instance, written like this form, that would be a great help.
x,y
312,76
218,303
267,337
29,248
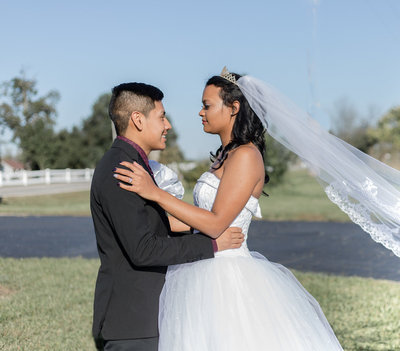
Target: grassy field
x,y
70,204
299,197
46,304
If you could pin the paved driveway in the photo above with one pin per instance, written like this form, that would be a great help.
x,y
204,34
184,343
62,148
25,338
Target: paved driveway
x,y
338,248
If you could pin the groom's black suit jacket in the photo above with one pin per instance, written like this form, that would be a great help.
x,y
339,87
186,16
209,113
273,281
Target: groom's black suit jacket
x,y
134,249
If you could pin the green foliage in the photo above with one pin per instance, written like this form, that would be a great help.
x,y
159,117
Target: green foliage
x,y
172,152
83,147
96,132
67,149
387,132
36,140
190,177
30,118
277,159
348,126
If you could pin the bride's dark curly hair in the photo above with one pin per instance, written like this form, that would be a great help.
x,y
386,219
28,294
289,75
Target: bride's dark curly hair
x,y
247,127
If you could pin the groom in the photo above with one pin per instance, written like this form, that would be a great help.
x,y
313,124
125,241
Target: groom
x,y
134,239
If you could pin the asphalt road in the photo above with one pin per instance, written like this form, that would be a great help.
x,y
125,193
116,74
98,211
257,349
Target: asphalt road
x,y
337,248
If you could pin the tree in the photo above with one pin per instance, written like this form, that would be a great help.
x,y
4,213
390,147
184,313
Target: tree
x,y
83,146
191,176
96,132
172,152
36,140
277,159
348,126
30,119
68,149
387,133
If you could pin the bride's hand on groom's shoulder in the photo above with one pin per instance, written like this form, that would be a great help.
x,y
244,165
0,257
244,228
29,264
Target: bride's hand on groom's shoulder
x,y
135,179
231,238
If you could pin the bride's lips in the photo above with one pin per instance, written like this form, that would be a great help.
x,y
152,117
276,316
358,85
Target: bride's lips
x,y
203,121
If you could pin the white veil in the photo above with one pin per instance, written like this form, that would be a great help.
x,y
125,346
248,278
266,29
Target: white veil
x,y
364,188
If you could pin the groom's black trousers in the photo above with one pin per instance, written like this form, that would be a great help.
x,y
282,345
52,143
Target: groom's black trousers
x,y
147,344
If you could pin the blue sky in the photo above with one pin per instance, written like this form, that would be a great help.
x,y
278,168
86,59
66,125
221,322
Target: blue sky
x,y
315,52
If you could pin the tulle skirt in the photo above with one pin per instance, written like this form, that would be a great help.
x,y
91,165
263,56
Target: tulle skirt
x,y
241,303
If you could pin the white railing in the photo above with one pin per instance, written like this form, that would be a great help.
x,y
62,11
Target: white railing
x,y
46,176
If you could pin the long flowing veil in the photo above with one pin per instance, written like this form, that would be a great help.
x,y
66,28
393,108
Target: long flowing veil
x,y
363,187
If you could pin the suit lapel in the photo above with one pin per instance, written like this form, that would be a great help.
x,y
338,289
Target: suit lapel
x,y
143,164
133,154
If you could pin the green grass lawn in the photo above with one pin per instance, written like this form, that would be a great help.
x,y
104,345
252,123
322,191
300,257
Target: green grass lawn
x,y
70,204
299,197
46,304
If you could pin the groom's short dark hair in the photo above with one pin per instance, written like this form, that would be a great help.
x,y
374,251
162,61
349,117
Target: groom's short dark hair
x,y
129,97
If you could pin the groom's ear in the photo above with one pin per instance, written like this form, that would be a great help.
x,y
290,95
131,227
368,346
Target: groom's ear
x,y
137,120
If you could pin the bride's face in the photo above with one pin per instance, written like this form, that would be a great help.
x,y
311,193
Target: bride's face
x,y
215,116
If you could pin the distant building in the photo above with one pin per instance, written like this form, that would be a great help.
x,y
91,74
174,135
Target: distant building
x,y
8,166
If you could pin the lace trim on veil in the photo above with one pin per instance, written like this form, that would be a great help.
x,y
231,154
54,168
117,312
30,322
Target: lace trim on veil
x,y
361,216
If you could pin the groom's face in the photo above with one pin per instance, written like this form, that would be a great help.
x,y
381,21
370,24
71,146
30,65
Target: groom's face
x,y
156,127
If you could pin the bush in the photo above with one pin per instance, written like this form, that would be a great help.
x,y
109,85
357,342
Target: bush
x,y
190,177
277,159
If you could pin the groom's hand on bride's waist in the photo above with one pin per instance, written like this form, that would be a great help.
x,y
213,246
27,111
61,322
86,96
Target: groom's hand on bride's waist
x,y
231,238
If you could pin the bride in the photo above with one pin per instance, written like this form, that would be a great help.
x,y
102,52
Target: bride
x,y
239,300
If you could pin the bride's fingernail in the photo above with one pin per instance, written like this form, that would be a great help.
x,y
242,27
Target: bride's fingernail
x,y
115,175
114,169
118,184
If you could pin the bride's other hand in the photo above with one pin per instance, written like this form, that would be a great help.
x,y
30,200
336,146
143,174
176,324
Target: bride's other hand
x,y
231,238
136,179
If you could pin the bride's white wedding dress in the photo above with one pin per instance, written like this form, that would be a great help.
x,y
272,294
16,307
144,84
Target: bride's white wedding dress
x,y
238,300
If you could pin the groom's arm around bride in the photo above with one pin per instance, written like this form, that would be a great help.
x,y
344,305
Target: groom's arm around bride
x,y
133,234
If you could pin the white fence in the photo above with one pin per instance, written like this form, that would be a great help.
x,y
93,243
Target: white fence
x,y
47,176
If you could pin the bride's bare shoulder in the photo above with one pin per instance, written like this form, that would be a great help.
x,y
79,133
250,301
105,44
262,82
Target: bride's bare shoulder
x,y
245,158
245,154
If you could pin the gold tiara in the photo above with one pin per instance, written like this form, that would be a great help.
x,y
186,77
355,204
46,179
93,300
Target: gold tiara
x,y
227,75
